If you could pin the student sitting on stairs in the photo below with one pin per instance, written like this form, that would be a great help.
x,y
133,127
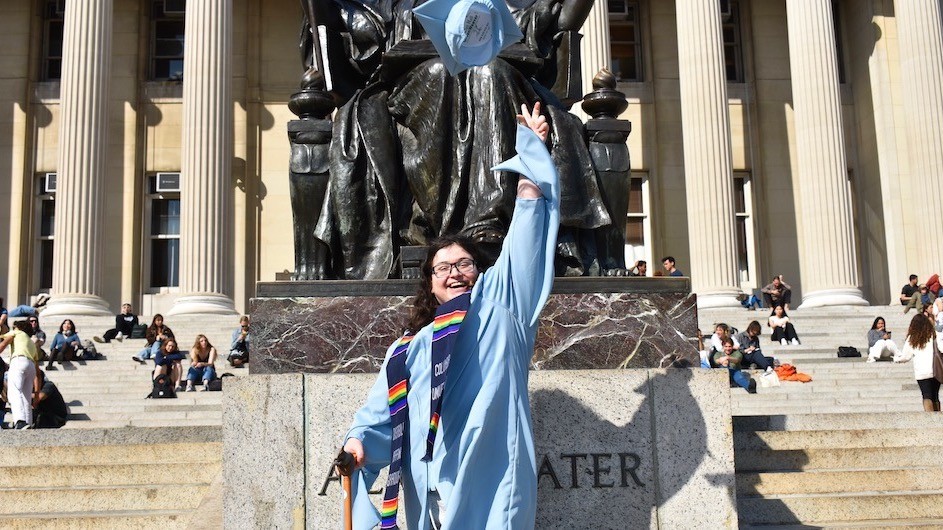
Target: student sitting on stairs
x,y
730,359
202,359
168,362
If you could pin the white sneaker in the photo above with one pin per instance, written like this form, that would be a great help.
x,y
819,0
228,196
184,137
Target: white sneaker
x,y
795,342
769,369
871,360
783,342
119,337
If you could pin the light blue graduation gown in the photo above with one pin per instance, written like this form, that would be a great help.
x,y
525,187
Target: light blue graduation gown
x,y
483,461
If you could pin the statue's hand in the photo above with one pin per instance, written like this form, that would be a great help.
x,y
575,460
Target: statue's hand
x,y
534,120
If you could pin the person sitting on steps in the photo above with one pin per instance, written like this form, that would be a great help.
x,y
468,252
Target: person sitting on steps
x,y
124,325
157,334
239,349
920,299
202,360
750,347
777,292
730,359
65,345
880,344
783,330
167,362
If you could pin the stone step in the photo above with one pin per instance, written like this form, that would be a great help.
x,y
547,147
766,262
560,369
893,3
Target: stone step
x,y
99,520
873,524
843,458
817,422
854,506
62,474
104,498
834,410
108,455
827,481
148,406
173,415
139,421
877,439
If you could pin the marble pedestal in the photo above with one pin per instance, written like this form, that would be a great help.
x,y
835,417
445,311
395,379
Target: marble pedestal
x,y
346,326
614,449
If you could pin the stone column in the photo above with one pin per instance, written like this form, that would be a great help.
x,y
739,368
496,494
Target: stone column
x,y
828,258
920,33
595,51
708,177
77,259
206,216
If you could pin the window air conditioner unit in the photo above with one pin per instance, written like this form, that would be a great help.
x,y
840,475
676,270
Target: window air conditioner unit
x,y
49,183
168,182
175,7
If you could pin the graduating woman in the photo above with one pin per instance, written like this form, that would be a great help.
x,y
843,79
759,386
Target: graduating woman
x,y
450,413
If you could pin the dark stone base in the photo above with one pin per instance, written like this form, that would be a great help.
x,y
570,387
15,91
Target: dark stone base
x,y
346,327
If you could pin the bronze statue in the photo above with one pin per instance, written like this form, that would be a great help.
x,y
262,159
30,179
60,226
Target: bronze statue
x,y
411,146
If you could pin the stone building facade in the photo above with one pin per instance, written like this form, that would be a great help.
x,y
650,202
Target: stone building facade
x,y
800,137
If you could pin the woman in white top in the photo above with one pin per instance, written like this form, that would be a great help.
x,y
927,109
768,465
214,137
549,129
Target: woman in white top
x,y
919,347
783,330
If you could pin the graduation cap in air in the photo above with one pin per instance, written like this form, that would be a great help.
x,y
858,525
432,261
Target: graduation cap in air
x,y
468,33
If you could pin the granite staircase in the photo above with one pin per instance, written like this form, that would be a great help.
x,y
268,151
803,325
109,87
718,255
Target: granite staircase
x,y
122,461
117,478
852,448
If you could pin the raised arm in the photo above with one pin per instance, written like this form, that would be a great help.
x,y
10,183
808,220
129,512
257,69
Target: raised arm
x,y
522,276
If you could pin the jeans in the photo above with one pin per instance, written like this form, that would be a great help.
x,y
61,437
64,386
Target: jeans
x,y
149,352
755,357
737,376
206,373
22,311
752,301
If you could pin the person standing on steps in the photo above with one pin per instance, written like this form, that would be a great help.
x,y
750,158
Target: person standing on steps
x,y
21,378
919,347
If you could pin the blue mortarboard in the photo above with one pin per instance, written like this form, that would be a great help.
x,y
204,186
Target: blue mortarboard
x,y
468,33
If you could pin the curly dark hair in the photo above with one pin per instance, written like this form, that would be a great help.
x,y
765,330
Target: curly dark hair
x,y
920,331
425,303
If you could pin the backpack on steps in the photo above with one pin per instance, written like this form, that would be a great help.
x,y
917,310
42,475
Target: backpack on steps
x,y
163,388
848,351
139,331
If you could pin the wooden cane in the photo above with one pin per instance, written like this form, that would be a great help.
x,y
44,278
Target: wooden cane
x,y
344,463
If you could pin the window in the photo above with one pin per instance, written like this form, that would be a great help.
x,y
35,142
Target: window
x,y
624,39
164,235
46,208
839,50
638,231
167,35
53,29
743,207
733,49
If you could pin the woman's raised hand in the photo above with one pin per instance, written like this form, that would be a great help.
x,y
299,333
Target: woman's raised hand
x,y
534,120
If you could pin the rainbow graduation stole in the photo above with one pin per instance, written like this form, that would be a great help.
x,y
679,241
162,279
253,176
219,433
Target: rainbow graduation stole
x,y
445,326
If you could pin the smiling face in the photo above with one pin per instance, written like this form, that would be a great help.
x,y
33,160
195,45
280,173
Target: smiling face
x,y
728,348
170,346
455,282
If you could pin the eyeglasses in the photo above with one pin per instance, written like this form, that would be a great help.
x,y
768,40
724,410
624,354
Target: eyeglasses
x,y
464,266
